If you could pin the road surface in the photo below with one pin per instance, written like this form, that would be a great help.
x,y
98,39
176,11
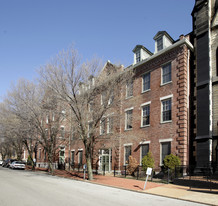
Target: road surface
x,y
26,188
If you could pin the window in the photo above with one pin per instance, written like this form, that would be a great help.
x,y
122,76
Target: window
x,y
63,115
62,132
72,157
166,73
145,115
138,56
159,43
128,119
103,98
146,82
129,88
166,110
44,155
144,150
90,128
40,153
102,126
80,157
111,99
165,150
109,124
47,119
91,104
127,154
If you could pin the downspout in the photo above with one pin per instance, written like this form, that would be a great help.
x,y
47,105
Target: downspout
x,y
188,106
210,84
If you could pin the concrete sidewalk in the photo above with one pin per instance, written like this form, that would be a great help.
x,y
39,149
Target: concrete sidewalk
x,y
167,190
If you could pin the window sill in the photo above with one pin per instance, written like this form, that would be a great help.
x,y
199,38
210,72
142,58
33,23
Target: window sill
x,y
165,122
127,130
148,90
163,84
145,126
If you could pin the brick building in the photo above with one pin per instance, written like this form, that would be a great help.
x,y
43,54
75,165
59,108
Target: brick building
x,y
154,110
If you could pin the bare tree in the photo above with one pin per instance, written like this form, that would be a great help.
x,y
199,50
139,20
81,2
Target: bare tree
x,y
40,114
88,90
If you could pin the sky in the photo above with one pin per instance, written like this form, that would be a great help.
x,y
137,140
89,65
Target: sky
x,y
32,32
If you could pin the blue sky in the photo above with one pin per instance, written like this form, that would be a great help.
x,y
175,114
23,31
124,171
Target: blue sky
x,y
32,32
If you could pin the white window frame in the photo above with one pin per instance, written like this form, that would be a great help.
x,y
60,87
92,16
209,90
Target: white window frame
x,y
163,141
108,125
143,82
161,115
62,129
162,66
126,145
80,150
138,56
160,38
127,85
126,110
143,143
105,119
143,105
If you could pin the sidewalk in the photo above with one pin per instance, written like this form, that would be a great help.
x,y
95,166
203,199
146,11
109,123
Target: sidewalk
x,y
167,190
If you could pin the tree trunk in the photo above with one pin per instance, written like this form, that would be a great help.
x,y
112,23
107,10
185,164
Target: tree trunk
x,y
89,167
50,165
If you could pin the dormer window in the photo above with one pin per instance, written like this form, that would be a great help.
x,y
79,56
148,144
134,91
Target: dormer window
x,y
162,41
141,53
138,56
159,43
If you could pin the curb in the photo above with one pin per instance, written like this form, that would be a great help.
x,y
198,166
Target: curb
x,y
123,188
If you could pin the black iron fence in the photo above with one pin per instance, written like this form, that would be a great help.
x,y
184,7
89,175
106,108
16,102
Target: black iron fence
x,y
184,175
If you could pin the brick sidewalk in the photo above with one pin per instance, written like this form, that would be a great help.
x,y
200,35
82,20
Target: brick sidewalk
x,y
166,190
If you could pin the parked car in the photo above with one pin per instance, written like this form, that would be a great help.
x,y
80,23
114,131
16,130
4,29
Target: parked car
x,y
1,162
17,165
7,162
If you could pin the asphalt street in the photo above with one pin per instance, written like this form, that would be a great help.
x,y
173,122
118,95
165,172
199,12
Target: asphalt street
x,y
26,188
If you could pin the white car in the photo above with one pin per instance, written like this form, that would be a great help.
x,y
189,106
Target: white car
x,y
17,165
1,162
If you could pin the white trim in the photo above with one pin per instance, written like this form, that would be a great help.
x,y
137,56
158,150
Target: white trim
x,y
127,144
166,97
143,105
80,149
143,81
145,142
162,141
177,44
166,140
73,150
146,103
131,108
161,110
165,64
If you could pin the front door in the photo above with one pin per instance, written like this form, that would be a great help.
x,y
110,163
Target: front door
x,y
105,160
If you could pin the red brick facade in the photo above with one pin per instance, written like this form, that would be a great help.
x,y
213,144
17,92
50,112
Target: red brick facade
x,y
173,134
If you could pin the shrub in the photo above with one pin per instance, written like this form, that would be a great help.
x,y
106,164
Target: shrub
x,y
29,161
132,166
148,161
170,161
